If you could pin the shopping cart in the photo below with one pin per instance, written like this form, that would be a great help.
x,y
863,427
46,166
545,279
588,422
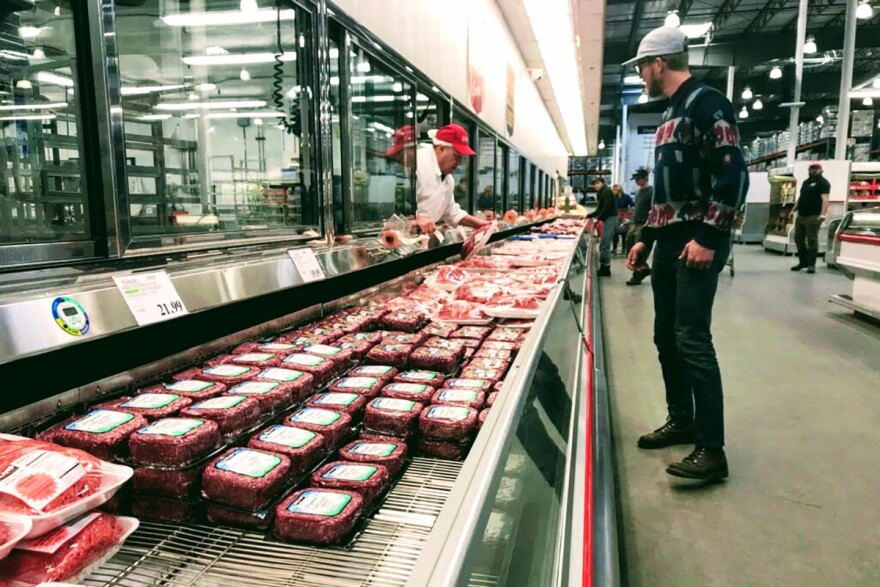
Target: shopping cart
x,y
737,224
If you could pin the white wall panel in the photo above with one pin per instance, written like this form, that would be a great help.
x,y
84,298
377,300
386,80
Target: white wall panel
x,y
433,35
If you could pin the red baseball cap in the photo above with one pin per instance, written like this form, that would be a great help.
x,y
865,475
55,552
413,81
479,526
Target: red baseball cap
x,y
816,166
452,135
403,137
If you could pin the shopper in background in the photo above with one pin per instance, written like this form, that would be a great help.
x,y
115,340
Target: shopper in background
x,y
435,185
606,211
700,182
811,208
624,202
644,199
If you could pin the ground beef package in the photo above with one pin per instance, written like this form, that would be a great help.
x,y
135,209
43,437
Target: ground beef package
x,y
318,516
322,335
174,442
445,343
245,478
501,345
392,416
102,433
389,453
483,385
233,413
470,398
396,355
174,483
352,404
498,386
65,553
432,378
442,449
444,360
492,375
337,354
507,335
299,342
321,369
162,509
410,338
278,348
272,396
333,426
441,329
226,516
367,479
300,384
481,419
366,386
194,389
484,353
490,399
477,332
152,406
447,422
255,359
468,343
417,392
499,364
403,320
303,447
371,338
469,352
357,348
384,373
225,374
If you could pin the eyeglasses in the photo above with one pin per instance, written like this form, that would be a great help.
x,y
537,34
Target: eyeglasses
x,y
642,62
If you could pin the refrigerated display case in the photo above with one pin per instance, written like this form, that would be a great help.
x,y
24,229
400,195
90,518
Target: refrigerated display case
x,y
859,258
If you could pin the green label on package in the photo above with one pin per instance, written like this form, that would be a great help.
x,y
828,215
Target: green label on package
x,y
316,502
276,374
448,413
224,402
287,436
254,388
188,386
254,358
357,383
336,399
151,401
413,388
315,416
301,359
419,375
323,349
100,422
458,395
227,371
250,463
373,449
172,427
350,472
393,404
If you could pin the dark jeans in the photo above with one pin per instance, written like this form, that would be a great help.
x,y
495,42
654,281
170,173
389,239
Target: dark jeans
x,y
683,300
806,233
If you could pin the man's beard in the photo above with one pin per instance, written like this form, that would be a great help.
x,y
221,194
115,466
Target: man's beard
x,y
654,88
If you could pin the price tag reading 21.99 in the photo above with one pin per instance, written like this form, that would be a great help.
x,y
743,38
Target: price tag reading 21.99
x,y
151,297
307,264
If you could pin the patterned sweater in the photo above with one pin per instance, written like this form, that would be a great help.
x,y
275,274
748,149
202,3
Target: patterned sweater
x,y
700,175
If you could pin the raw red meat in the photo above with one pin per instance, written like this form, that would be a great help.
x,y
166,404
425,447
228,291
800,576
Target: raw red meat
x,y
501,345
468,351
245,478
485,353
300,385
333,426
392,416
450,277
350,403
443,330
403,320
492,375
429,294
413,339
152,406
487,262
317,516
103,433
507,335
417,392
370,338
281,348
477,240
480,292
261,360
483,385
389,354
385,373
481,419
303,447
162,509
498,386
447,422
320,368
477,332
460,311
298,341
499,364
519,302
390,453
225,516
225,374
468,343
368,480
445,343
432,378
490,399
233,413
102,533
322,334
442,449
193,389
336,354
469,398
175,483
272,396
437,359
366,386
173,442
357,348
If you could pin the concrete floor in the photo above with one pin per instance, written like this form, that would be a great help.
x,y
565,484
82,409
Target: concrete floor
x,y
802,395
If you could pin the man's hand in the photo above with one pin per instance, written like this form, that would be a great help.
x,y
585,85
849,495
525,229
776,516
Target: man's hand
x,y
638,257
473,221
696,256
425,224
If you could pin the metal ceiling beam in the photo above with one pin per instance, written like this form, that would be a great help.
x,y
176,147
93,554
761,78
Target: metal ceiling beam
x,y
726,11
816,9
770,10
684,6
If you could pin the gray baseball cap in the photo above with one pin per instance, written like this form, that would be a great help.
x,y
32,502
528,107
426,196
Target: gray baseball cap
x,y
662,41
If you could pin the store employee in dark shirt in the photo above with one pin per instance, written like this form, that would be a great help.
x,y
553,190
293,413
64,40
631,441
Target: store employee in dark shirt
x,y
811,208
606,211
700,181
644,200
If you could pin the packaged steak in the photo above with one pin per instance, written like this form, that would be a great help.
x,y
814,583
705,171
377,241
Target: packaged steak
x,y
321,369
173,442
317,516
299,342
445,343
442,449
436,359
102,433
175,483
262,360
484,353
321,334
396,355
67,552
417,392
384,373
470,343
277,348
225,374
152,406
333,426
371,338
366,386
350,403
162,509
272,396
499,364
481,419
470,398
392,416
469,352
483,385
340,325
222,515
368,480
358,349
507,335
490,399
441,329
233,413
194,389
479,292
300,384
410,338
303,447
390,453
501,345
245,478
477,332
493,375
335,353
403,320
447,422
431,378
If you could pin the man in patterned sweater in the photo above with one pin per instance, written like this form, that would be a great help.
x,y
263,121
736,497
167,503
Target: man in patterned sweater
x,y
700,181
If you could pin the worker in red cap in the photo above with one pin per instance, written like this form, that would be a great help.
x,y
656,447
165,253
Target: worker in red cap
x,y
435,185
403,147
811,208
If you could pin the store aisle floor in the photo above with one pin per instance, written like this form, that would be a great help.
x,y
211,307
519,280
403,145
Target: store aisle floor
x,y
802,395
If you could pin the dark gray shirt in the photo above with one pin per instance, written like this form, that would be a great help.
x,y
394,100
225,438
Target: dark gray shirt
x,y
644,199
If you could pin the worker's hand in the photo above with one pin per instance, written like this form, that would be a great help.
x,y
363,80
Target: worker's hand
x,y
637,258
425,224
696,256
821,219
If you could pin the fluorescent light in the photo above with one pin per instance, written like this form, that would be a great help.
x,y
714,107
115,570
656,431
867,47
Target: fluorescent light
x,y
213,105
820,119
143,90
436,89
258,114
30,117
383,98
672,19
245,75
48,77
876,83
633,80
758,105
191,116
249,6
364,67
744,113
237,58
865,93
30,32
810,46
193,97
225,17
334,81
57,11
24,84
216,50
868,101
258,121
863,12
334,53
747,93
776,72
46,106
39,53
397,87
153,117
643,98
695,31
207,87
294,92
601,143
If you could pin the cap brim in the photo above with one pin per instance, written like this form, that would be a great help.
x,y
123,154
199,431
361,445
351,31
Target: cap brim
x,y
630,62
465,151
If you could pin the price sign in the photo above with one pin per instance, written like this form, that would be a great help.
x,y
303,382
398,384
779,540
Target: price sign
x,y
307,264
151,297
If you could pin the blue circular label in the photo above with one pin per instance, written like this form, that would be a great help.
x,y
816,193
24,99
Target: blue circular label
x,y
70,316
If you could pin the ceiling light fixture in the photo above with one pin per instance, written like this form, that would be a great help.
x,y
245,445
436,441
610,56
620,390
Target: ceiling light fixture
x,y
810,46
672,19
259,114
211,105
249,6
258,121
225,17
876,83
237,58
24,84
397,87
207,87
601,143
868,101
245,75
776,72
334,53
144,90
154,117
39,53
747,93
643,98
864,11
633,80
30,32
757,105
57,11
363,67
47,77
30,117
45,106
695,31
744,113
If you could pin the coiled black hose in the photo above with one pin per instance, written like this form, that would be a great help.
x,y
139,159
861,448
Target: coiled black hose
x,y
278,76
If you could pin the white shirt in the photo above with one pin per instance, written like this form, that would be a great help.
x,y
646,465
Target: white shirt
x,y
435,197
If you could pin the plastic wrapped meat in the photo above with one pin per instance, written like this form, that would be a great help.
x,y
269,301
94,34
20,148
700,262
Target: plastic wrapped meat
x,y
490,399
457,347
174,483
519,302
441,329
245,478
468,343
417,392
322,334
507,334
460,311
480,292
477,240
483,385
404,321
487,262
272,396
278,348
303,447
413,339
366,386
371,338
152,406
321,369
298,341
350,403
385,373
221,515
262,360
437,359
449,277
390,354
389,453
367,479
233,413
358,349
501,345
499,364
427,293
318,516
102,433
174,442
337,354
300,385
481,419
476,332
225,374
469,398
432,378
193,389
484,353
333,426
392,416
492,375
447,422
442,449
